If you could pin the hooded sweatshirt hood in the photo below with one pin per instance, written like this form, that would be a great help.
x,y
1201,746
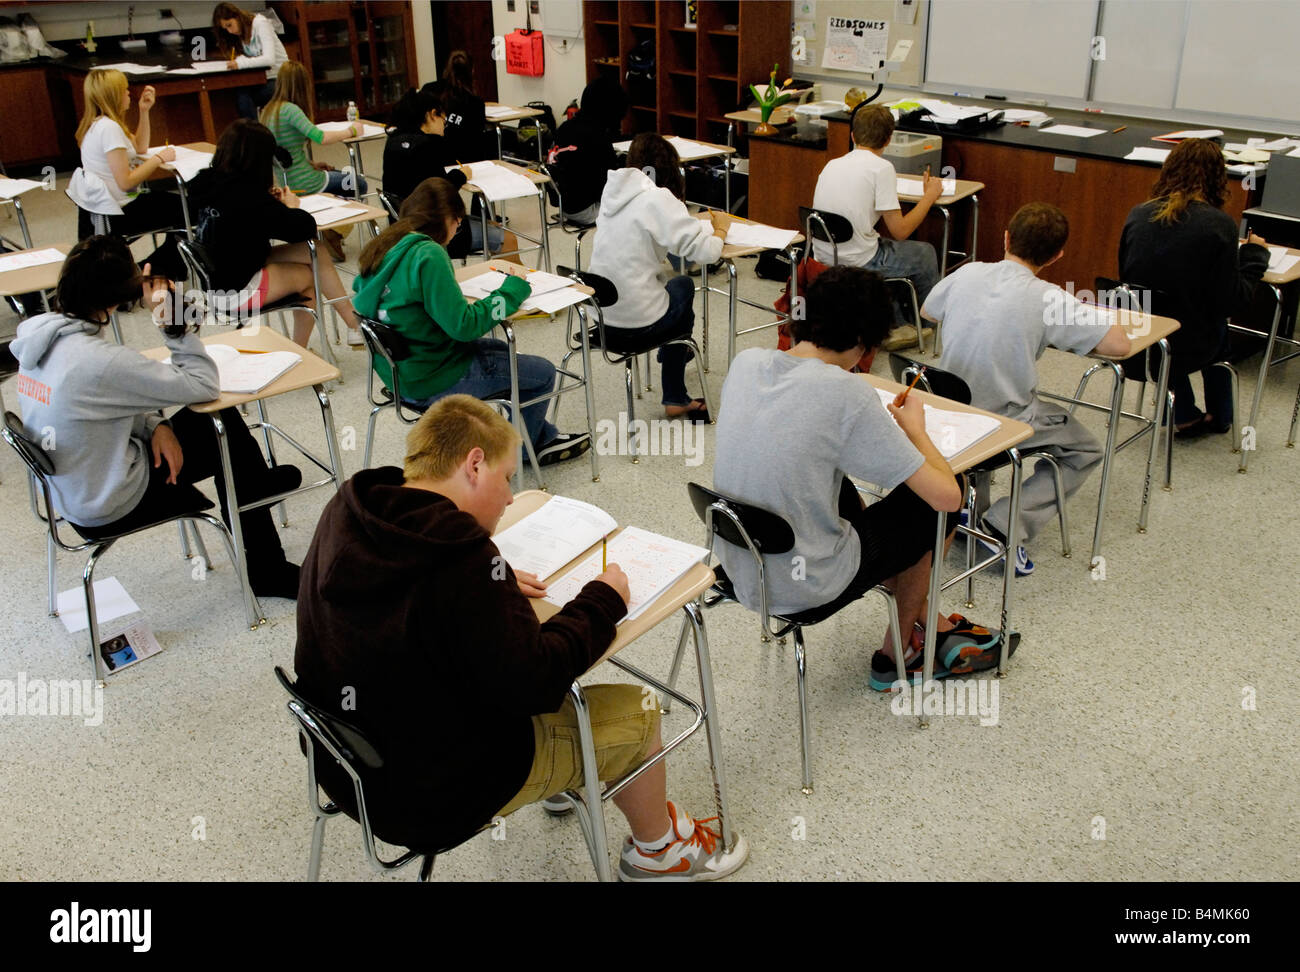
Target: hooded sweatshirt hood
x,y
37,335
370,290
622,187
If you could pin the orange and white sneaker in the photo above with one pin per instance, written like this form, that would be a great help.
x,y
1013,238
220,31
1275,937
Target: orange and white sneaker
x,y
697,854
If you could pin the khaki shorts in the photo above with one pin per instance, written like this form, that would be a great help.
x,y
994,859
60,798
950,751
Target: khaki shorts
x,y
622,729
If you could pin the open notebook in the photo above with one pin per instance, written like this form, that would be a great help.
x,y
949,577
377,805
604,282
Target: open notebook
x,y
951,432
548,538
247,372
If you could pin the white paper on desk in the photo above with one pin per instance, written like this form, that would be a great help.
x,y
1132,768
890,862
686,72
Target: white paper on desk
x,y
688,149
552,535
363,131
317,202
818,108
554,300
476,288
497,182
1022,114
1077,131
334,214
622,147
1249,155
247,374
951,432
130,67
111,601
188,162
16,187
948,112
758,234
1276,145
29,258
1243,168
1144,154
916,187
1190,133
1293,154
199,67
1284,263
653,563
543,282
498,111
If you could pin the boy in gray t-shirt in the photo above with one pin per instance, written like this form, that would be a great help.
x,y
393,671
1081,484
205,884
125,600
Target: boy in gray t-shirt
x,y
998,319
793,425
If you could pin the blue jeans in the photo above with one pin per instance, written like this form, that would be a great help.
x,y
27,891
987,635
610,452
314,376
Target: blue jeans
x,y
489,377
907,258
334,183
251,100
496,235
678,322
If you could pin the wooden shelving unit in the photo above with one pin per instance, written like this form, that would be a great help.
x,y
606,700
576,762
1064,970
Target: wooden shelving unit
x,y
701,71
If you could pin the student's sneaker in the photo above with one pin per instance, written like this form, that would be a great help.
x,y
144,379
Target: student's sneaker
x,y
1024,566
904,337
884,670
696,854
355,340
566,445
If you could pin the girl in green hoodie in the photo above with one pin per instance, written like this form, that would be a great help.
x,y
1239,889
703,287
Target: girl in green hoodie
x,y
408,283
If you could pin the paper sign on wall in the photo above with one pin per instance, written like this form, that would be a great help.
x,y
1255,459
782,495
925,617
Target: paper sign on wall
x,y
853,44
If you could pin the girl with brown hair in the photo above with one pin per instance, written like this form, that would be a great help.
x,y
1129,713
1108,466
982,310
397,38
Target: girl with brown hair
x,y
247,40
1180,242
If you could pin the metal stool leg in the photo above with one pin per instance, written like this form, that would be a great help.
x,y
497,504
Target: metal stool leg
x,y
801,673
185,540
51,576
629,366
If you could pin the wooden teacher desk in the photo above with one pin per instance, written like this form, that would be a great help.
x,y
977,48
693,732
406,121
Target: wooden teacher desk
x,y
1088,178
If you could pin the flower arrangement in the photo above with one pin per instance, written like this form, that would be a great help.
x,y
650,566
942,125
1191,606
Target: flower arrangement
x,y
769,101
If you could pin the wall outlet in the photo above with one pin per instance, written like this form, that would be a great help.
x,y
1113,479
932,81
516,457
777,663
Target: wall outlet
x,y
510,6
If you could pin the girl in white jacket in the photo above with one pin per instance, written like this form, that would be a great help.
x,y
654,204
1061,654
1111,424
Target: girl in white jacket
x,y
642,219
248,40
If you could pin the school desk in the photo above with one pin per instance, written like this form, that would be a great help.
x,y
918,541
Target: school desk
x,y
708,150
354,151
965,189
682,596
1275,282
542,242
1144,330
513,114
1004,438
31,279
15,200
310,372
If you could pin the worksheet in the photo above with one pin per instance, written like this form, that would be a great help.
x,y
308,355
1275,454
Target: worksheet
x,y
548,538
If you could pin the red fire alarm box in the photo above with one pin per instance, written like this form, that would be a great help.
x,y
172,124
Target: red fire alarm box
x,y
524,52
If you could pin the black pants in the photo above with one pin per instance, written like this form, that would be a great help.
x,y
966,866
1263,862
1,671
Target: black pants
x,y
148,212
250,100
202,460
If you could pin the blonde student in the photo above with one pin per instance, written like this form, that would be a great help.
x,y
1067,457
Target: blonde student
x,y
288,116
247,40
110,188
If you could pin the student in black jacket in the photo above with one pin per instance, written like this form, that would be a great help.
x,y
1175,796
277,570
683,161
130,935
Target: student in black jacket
x,y
239,210
1182,243
418,149
583,153
465,110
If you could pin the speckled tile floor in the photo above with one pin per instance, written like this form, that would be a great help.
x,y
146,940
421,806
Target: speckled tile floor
x,y
1123,709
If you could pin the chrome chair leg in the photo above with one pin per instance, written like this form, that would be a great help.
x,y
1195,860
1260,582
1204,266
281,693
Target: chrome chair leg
x,y
317,842
801,673
1083,383
426,868
636,374
629,366
666,705
594,832
370,434
51,576
185,540
1060,500
88,592
198,542
1295,419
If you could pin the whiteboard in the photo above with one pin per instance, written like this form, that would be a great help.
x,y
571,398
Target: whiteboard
x,y
1144,44
1011,45
1240,59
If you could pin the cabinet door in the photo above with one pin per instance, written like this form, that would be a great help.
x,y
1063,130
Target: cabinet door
x,y
385,52
25,95
330,36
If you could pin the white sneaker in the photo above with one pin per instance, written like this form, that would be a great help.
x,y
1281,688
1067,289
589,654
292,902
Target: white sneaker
x,y
355,340
697,854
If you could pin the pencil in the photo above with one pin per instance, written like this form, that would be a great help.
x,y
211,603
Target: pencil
x,y
1120,129
603,550
898,402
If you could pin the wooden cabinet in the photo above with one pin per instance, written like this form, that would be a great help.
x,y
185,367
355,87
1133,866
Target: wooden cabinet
x,y
25,94
362,52
700,71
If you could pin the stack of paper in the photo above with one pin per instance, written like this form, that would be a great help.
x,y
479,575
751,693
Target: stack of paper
x,y
758,234
951,432
1190,133
16,187
325,217
947,113
498,111
653,563
1074,131
363,131
129,67
497,182
554,300
819,108
26,259
200,67
1143,154
476,288
1023,115
548,538
550,292
188,162
1280,261
908,186
687,149
248,372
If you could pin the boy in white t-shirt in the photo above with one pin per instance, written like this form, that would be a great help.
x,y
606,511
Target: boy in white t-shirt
x,y
862,186
998,319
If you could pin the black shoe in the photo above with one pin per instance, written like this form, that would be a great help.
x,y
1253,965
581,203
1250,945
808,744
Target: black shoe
x,y
698,415
694,271
279,479
279,581
566,445
1194,431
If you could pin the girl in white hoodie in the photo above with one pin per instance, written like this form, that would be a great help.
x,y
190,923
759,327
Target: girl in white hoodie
x,y
642,219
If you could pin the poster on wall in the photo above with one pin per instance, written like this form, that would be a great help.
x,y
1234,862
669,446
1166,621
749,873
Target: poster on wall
x,y
854,44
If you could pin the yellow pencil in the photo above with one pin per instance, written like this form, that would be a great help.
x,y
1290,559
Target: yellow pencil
x,y
603,549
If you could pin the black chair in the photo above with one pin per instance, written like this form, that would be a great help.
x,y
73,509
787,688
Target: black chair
x,y
980,476
764,533
598,335
41,467
215,305
320,731
832,228
392,203
386,343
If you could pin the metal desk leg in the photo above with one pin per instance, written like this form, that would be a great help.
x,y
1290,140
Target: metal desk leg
x,y
591,400
541,209
704,279
932,610
726,163
975,225
714,734
592,807
354,156
731,311
270,453
1009,565
22,222
1263,377
1295,417
185,206
321,310
251,606
327,417
1112,428
1161,395
943,252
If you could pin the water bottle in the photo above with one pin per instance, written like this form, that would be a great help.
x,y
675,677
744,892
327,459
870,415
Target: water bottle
x,y
353,114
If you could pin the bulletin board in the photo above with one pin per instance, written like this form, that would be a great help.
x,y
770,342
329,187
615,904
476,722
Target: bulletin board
x,y
810,19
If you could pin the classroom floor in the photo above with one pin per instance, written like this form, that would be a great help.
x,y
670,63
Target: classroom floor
x,y
1126,745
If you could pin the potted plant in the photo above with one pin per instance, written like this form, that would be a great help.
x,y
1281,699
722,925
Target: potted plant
x,y
769,101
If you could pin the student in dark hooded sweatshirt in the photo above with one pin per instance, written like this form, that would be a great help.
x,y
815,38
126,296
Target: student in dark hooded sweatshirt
x,y
239,211
583,153
417,149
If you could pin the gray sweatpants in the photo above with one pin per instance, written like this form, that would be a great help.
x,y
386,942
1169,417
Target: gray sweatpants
x,y
1077,453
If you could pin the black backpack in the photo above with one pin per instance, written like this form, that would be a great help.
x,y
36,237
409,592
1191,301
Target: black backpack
x,y
539,126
